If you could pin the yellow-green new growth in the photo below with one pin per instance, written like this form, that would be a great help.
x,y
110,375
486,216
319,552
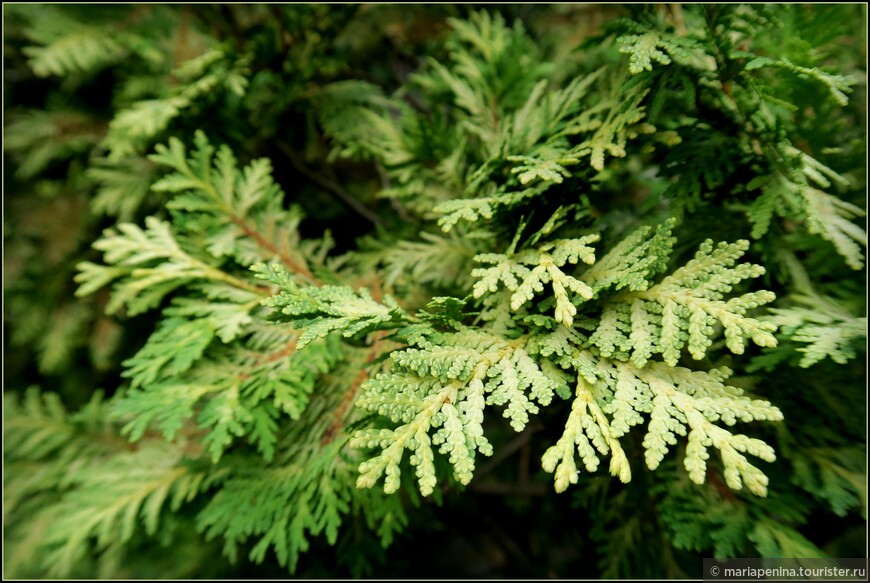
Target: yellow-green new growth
x,y
586,423
682,309
675,399
545,263
446,388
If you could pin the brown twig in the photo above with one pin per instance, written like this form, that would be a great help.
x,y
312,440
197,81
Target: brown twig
x,y
329,185
296,266
714,479
679,20
517,443
347,399
524,463
271,357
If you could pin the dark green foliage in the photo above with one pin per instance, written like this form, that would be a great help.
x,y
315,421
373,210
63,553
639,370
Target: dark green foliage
x,y
339,290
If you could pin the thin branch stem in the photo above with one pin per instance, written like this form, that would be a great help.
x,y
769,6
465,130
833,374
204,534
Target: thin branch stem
x,y
329,185
517,443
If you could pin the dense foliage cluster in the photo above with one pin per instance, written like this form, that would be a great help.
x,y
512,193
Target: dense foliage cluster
x,y
334,289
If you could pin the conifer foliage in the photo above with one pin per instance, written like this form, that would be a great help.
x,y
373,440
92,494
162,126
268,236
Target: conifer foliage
x,y
292,282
